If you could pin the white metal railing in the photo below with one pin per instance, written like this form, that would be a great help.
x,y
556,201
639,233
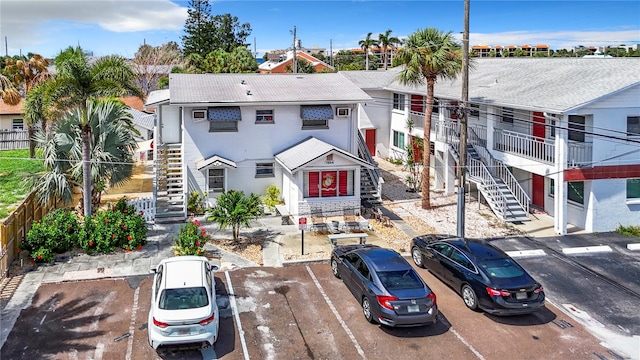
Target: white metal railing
x,y
498,202
146,207
418,119
539,149
524,145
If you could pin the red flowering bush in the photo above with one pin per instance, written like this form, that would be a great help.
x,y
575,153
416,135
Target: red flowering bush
x,y
57,232
191,238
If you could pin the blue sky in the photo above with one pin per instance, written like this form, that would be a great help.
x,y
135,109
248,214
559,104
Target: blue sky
x,y
120,27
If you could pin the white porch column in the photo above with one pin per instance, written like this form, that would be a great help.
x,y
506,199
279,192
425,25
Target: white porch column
x,y
490,120
560,193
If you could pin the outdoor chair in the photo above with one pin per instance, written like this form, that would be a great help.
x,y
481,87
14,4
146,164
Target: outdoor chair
x,y
350,220
317,220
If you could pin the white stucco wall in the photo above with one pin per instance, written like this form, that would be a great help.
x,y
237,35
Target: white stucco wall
x,y
378,112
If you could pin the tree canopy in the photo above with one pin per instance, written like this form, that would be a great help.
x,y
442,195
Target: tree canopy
x,y
205,32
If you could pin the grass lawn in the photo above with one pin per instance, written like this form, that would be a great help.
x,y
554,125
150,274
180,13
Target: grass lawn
x,y
15,169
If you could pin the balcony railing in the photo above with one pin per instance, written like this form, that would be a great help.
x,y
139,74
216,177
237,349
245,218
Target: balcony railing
x,y
418,119
538,149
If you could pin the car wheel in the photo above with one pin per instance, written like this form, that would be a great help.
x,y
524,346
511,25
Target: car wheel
x,y
366,310
416,255
334,268
469,297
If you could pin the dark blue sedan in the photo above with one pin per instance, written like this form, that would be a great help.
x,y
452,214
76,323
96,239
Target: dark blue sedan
x,y
390,291
485,276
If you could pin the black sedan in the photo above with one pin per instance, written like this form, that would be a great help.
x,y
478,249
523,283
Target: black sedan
x,y
485,276
390,291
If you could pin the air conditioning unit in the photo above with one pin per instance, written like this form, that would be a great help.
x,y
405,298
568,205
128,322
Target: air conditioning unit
x,y
343,111
199,115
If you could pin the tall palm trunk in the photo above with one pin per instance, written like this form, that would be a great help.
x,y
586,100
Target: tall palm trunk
x,y
426,151
366,59
384,56
32,142
86,168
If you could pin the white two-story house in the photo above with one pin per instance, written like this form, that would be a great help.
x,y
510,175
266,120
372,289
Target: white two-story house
x,y
217,132
557,135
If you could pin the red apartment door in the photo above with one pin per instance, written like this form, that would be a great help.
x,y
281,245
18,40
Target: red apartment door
x,y
537,190
538,125
370,140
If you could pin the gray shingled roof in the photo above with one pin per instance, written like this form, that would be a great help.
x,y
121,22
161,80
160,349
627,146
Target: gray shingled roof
x,y
157,96
142,119
551,84
262,88
372,80
308,150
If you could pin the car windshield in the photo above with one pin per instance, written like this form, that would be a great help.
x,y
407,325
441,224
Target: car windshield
x,y
183,298
501,268
398,280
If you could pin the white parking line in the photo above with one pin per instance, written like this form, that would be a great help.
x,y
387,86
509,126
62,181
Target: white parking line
x,y
335,313
635,246
587,249
462,340
524,253
132,323
234,309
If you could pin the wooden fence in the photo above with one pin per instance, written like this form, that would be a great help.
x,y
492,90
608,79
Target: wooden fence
x,y
14,228
14,139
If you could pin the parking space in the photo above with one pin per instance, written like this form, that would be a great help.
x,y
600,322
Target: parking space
x,y
297,312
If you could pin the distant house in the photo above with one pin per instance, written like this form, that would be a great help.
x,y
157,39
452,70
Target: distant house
x,y
12,116
283,66
246,132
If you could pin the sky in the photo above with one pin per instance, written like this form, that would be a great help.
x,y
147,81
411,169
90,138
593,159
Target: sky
x,y
108,27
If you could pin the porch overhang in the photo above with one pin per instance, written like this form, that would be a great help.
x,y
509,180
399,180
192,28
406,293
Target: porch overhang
x,y
300,155
215,161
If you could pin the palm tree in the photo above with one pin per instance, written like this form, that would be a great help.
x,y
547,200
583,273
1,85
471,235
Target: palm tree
x,y
234,209
429,54
76,84
9,94
386,41
112,142
366,44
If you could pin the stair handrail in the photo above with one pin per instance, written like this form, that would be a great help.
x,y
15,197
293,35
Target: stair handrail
x,y
500,170
374,174
488,184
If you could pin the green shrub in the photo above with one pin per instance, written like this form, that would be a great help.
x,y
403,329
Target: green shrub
x,y
633,231
272,198
57,232
191,239
195,202
118,227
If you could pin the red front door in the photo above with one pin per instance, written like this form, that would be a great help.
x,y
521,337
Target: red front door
x,y
537,190
370,140
538,125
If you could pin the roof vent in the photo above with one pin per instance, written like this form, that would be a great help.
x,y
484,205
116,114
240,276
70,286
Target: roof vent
x,y
248,92
242,82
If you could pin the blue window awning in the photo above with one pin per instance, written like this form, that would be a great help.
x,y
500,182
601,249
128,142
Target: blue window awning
x,y
316,112
224,113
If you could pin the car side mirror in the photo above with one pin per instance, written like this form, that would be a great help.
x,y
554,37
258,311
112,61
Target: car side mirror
x,y
153,270
215,264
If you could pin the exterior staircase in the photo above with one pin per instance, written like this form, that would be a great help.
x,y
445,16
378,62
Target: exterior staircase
x,y
496,183
169,184
370,179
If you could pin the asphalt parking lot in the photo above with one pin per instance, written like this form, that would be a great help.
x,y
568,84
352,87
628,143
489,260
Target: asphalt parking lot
x,y
295,312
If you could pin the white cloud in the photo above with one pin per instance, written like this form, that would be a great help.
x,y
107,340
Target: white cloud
x,y
23,20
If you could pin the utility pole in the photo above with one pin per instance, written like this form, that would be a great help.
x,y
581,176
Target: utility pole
x,y
295,60
462,116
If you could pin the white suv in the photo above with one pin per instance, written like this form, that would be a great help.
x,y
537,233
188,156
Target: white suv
x,y
183,303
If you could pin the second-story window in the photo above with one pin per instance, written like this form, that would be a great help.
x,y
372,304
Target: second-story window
x,y
507,115
576,128
264,116
316,116
224,118
398,101
633,125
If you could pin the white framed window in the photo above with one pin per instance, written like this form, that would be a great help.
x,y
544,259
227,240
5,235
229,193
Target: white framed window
x,y
633,125
398,101
507,115
316,116
633,189
264,116
474,111
216,180
264,170
576,128
575,192
398,139
17,124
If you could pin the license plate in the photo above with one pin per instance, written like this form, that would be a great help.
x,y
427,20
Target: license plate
x,y
521,295
184,331
413,308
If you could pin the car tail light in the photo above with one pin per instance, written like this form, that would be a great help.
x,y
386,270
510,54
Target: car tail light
x,y
207,320
385,301
494,292
159,324
432,296
538,290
